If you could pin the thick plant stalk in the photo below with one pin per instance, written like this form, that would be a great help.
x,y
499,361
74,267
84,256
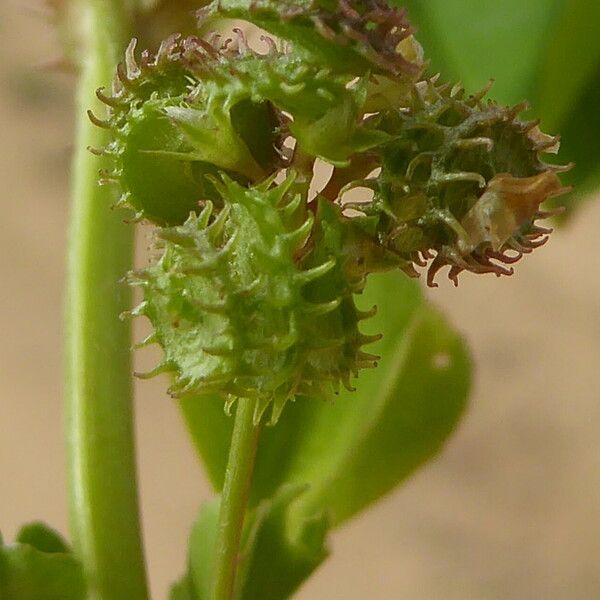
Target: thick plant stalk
x,y
234,500
103,488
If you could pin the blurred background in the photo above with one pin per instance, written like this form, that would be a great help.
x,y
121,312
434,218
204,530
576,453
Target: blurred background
x,y
509,510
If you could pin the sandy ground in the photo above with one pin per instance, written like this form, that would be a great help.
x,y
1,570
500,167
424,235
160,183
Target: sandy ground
x,y
510,510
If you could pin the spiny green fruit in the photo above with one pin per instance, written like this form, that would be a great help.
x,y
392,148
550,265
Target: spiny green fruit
x,y
199,107
161,159
461,183
243,306
253,296
349,36
326,108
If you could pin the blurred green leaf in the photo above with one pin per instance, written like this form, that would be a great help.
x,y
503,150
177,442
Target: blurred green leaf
x,y
569,94
275,558
474,41
580,133
42,538
183,590
201,549
571,61
278,554
399,416
39,567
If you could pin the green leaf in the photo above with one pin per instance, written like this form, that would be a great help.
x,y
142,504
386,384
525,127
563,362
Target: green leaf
x,y
39,567
417,406
201,551
584,127
275,558
569,95
580,135
399,416
570,62
478,40
183,590
278,556
42,538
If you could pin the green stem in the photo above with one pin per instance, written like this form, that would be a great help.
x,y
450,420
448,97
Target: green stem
x,y
103,489
234,499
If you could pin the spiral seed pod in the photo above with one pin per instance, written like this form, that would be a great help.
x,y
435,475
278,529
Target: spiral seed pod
x,y
349,36
462,183
237,312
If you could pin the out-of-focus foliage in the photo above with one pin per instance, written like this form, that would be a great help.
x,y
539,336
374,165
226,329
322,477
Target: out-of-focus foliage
x,y
545,50
39,566
277,554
